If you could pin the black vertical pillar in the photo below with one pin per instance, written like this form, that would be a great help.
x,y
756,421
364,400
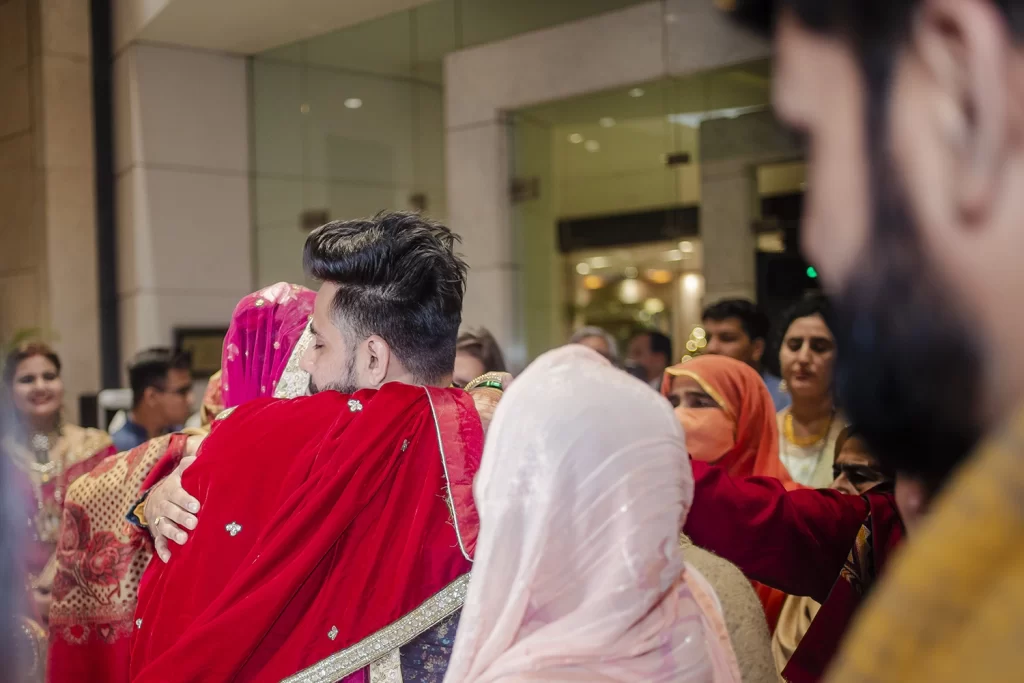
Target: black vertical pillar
x,y
106,226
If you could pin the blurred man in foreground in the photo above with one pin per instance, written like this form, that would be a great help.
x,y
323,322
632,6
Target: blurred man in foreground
x,y
912,110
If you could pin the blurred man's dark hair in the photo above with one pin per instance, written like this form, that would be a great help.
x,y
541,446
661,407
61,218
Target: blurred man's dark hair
x,y
149,368
661,344
910,366
753,320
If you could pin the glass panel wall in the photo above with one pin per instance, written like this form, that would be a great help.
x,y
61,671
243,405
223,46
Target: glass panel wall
x,y
610,229
352,122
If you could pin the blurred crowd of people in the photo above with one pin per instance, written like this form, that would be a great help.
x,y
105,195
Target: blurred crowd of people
x,y
366,493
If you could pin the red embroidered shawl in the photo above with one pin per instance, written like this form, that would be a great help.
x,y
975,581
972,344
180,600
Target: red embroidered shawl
x,y
324,519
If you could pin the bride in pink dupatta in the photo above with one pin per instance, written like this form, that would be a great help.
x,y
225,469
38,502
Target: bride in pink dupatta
x,y
100,556
578,574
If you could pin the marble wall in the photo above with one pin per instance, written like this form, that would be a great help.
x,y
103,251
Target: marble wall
x,y
183,213
48,276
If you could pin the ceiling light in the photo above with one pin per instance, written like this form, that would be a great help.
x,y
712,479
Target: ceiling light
x,y
353,103
636,92
606,122
593,282
591,145
583,268
632,272
658,276
575,138
692,283
654,306
673,255
630,292
599,262
686,247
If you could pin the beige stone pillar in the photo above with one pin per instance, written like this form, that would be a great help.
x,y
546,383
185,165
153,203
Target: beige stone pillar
x,y
731,150
182,164
48,225
728,209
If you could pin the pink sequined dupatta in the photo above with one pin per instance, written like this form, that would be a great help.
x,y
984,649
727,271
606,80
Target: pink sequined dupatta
x,y
265,328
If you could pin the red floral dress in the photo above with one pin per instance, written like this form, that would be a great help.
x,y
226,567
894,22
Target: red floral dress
x,y
100,560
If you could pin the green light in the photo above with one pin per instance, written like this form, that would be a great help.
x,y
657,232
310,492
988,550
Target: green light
x,y
811,272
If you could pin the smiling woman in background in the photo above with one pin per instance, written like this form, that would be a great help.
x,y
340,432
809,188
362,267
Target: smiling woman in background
x,y
48,454
811,425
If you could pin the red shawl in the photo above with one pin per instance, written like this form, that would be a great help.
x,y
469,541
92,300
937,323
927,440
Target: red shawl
x,y
881,533
799,542
324,519
742,394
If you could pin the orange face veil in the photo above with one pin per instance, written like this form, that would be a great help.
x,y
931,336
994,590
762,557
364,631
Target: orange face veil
x,y
710,432
744,432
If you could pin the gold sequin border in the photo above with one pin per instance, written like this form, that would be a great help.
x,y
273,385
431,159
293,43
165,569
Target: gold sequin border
x,y
435,609
294,381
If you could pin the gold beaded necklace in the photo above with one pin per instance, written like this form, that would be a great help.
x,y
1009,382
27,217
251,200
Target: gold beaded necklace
x,y
39,464
804,441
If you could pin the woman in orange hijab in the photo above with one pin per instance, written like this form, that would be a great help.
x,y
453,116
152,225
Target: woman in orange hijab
x,y
727,415
728,418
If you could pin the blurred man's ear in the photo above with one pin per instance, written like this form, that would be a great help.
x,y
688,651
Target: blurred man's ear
x,y
912,497
757,350
966,51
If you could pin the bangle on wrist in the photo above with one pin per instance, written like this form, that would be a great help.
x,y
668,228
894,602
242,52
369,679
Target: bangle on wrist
x,y
137,515
490,380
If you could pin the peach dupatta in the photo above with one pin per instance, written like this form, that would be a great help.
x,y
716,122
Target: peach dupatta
x,y
742,394
578,573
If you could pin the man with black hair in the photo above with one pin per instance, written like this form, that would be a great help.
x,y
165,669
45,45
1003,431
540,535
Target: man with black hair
x,y
738,328
162,397
651,351
331,533
912,110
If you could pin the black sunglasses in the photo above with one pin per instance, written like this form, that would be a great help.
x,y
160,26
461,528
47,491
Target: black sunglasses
x,y
180,391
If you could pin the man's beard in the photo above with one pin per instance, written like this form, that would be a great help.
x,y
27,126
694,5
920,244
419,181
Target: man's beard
x,y
909,371
345,385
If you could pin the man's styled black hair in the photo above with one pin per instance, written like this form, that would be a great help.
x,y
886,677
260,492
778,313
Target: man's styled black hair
x,y
398,277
